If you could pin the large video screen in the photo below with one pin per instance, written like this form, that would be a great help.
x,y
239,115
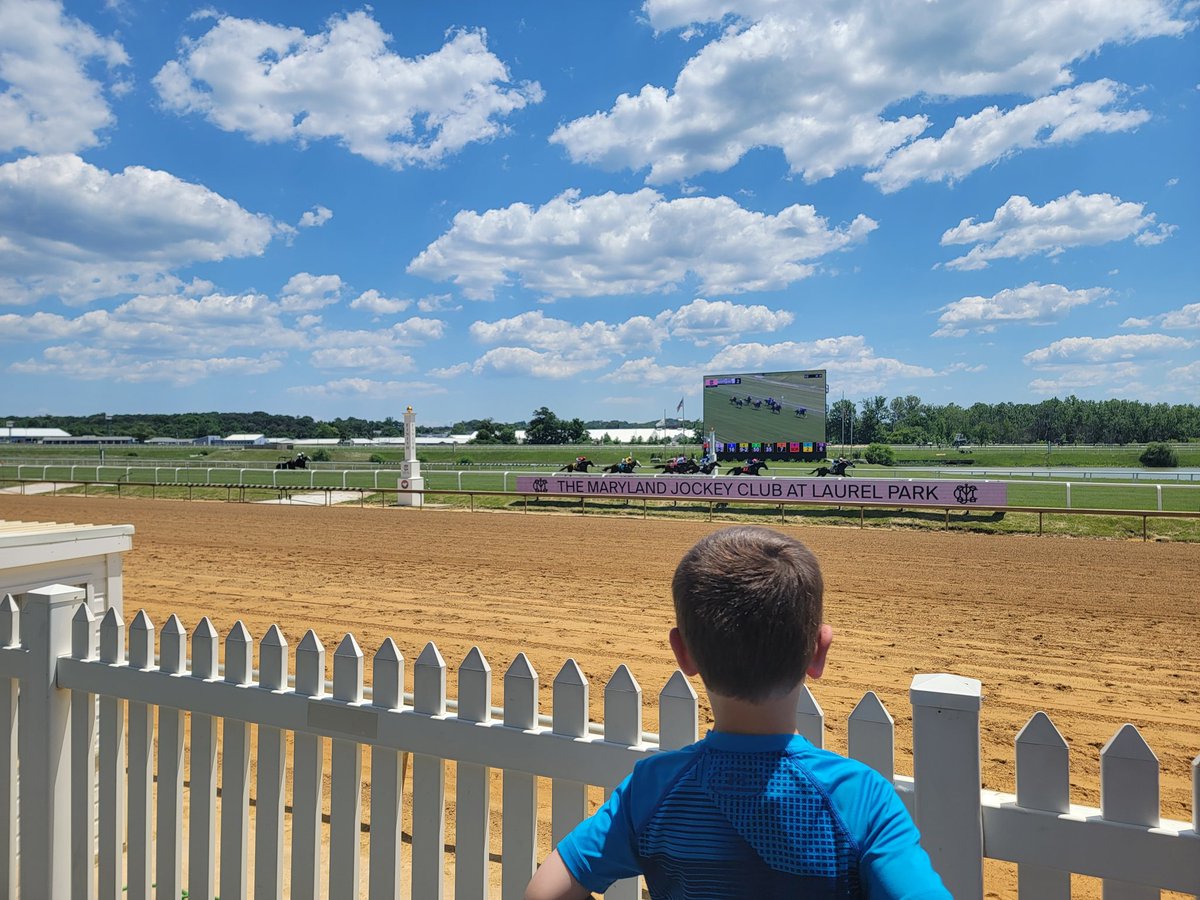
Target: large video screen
x,y
771,415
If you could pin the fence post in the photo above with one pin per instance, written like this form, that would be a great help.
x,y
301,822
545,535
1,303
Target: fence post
x,y
44,713
10,637
947,776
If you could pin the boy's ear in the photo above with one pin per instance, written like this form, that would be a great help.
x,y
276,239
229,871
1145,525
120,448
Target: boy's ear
x,y
679,648
816,666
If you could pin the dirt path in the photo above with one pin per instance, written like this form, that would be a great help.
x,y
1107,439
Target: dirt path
x,y
1096,633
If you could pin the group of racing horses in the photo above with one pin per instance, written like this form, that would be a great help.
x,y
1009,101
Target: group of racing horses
x,y
686,466
770,402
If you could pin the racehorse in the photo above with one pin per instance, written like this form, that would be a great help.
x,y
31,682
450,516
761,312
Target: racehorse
x,y
674,467
300,462
580,465
621,468
753,467
837,467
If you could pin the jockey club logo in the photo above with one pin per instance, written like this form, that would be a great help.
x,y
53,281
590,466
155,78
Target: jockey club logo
x,y
965,493
541,485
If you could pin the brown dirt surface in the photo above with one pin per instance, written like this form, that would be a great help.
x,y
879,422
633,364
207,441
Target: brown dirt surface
x,y
1096,633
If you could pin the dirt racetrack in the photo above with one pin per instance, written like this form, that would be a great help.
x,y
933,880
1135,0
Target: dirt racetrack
x,y
1096,633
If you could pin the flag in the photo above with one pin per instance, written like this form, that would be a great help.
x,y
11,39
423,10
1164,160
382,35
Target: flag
x,y
679,408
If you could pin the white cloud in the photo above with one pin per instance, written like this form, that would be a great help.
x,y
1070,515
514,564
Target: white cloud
x,y
436,302
70,229
81,363
1088,350
954,368
377,350
1185,318
366,388
1020,229
418,330
315,217
647,371
639,243
1114,379
817,80
849,358
555,348
48,102
161,324
1189,374
990,134
707,322
850,355
588,340
304,292
451,371
386,359
523,361
279,84
374,302
152,332
1033,304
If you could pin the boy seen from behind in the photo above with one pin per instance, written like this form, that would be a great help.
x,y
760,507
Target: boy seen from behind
x,y
753,810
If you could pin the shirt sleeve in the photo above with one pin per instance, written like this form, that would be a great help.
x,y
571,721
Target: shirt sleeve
x,y
894,865
602,849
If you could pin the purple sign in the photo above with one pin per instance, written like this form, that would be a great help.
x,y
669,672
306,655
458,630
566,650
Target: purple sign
x,y
945,493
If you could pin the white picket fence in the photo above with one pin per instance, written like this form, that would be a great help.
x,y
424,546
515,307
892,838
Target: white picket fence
x,y
54,663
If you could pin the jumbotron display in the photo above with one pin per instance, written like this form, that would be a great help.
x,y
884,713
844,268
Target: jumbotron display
x,y
769,415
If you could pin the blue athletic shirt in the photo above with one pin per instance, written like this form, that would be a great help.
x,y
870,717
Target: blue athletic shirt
x,y
739,815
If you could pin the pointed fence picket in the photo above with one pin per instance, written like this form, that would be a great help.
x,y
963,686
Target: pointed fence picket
x,y
308,763
623,725
429,781
345,792
1125,842
202,793
84,645
139,876
1129,794
385,868
10,639
272,774
235,771
169,824
473,797
1043,783
568,799
111,863
518,830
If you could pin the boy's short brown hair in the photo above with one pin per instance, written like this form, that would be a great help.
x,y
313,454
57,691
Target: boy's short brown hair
x,y
748,606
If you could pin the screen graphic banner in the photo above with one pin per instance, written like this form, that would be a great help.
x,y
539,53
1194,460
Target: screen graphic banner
x,y
944,494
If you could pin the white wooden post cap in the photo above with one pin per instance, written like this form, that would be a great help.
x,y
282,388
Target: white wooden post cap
x,y
946,691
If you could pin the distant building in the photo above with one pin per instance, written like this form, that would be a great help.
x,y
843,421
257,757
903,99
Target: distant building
x,y
90,439
244,440
166,442
29,435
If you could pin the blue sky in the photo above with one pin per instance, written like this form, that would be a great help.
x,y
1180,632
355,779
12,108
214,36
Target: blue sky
x,y
481,208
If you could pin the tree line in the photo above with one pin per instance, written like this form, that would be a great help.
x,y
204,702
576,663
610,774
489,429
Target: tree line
x,y
909,420
877,419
